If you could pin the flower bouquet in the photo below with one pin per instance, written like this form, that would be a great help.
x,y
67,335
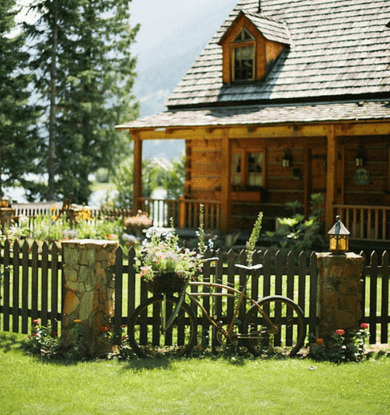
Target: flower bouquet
x,y
163,264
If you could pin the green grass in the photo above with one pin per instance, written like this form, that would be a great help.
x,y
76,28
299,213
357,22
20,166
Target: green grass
x,y
222,385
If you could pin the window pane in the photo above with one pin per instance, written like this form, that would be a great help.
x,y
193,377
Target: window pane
x,y
255,169
243,63
236,170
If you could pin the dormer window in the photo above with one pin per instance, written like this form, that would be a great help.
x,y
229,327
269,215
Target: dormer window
x,y
243,57
251,46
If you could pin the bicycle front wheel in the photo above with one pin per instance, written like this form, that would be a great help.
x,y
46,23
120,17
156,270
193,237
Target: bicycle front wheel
x,y
274,326
146,332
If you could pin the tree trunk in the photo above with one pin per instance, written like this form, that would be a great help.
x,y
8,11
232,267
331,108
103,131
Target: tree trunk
x,y
52,118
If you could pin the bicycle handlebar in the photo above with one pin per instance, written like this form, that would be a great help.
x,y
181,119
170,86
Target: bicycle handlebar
x,y
250,268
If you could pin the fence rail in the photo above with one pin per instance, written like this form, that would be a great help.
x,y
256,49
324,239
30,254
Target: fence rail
x,y
366,223
32,286
35,209
184,212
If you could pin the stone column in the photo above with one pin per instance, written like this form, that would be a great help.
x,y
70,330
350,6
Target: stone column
x,y
339,294
89,295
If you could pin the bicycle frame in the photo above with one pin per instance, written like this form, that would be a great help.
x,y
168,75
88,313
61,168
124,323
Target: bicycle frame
x,y
230,292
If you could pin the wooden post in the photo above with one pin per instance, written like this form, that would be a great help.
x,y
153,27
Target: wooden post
x,y
330,177
225,188
137,179
182,212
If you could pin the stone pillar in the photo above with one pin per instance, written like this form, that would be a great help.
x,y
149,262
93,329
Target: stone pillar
x,y
339,294
89,295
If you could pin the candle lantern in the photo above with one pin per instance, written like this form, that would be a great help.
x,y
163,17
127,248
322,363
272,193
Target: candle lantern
x,y
338,238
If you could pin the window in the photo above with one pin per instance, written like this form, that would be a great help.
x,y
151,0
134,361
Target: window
x,y
243,63
255,169
243,57
247,170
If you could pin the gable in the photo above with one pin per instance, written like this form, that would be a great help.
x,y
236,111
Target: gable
x,y
338,48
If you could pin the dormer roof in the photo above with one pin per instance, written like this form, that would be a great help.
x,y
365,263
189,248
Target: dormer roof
x,y
271,29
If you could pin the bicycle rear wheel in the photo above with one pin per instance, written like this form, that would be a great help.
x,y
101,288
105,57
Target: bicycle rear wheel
x,y
275,326
145,332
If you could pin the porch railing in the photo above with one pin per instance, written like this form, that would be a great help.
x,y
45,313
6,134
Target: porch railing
x,y
185,212
368,223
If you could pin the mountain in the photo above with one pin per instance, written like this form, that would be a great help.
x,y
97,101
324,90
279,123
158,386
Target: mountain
x,y
173,33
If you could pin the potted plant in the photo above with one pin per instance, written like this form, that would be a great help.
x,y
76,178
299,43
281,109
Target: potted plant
x,y
163,264
135,225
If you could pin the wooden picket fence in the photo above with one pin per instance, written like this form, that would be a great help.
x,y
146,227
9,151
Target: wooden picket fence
x,y
32,286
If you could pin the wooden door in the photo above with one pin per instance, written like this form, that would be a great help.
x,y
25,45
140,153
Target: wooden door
x,y
315,177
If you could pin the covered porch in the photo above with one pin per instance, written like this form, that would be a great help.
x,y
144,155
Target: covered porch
x,y
321,143
366,223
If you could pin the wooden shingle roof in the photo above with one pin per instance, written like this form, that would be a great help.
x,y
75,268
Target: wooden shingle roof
x,y
341,48
267,114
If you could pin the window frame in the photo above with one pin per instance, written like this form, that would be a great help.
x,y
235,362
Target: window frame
x,y
244,169
233,48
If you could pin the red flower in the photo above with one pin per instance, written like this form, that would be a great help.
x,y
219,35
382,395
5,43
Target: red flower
x,y
364,326
35,322
103,328
340,332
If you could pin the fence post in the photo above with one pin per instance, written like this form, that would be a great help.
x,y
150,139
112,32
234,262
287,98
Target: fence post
x,y
339,294
89,295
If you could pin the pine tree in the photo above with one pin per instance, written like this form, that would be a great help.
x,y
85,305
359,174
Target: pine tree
x,y
85,72
19,147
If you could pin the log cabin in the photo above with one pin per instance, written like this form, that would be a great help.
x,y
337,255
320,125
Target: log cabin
x,y
289,98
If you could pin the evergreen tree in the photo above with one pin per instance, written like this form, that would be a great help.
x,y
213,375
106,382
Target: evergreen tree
x,y
19,148
85,72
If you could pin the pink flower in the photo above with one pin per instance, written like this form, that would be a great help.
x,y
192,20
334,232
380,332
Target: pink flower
x,y
35,322
340,332
364,326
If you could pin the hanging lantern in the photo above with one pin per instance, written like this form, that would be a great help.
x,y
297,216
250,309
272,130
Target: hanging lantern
x,y
338,238
287,159
360,158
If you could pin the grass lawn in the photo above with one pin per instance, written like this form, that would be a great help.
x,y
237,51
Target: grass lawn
x,y
221,385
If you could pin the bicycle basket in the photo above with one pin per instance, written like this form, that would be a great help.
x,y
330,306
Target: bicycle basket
x,y
167,283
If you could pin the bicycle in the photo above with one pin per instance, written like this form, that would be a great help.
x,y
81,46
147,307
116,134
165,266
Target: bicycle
x,y
166,325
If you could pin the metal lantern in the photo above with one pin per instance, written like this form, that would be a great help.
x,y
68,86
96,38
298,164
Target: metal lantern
x,y
360,158
287,159
338,237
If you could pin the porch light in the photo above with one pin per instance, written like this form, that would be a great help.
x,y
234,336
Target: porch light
x,y
338,238
287,159
360,158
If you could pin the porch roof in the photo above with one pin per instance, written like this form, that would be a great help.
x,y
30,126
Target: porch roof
x,y
266,114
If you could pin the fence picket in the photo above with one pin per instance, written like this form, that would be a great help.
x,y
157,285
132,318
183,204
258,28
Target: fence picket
x,y
7,285
131,282
231,260
267,274
290,275
385,297
373,296
15,288
54,288
25,286
302,259
313,294
279,260
34,281
45,284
